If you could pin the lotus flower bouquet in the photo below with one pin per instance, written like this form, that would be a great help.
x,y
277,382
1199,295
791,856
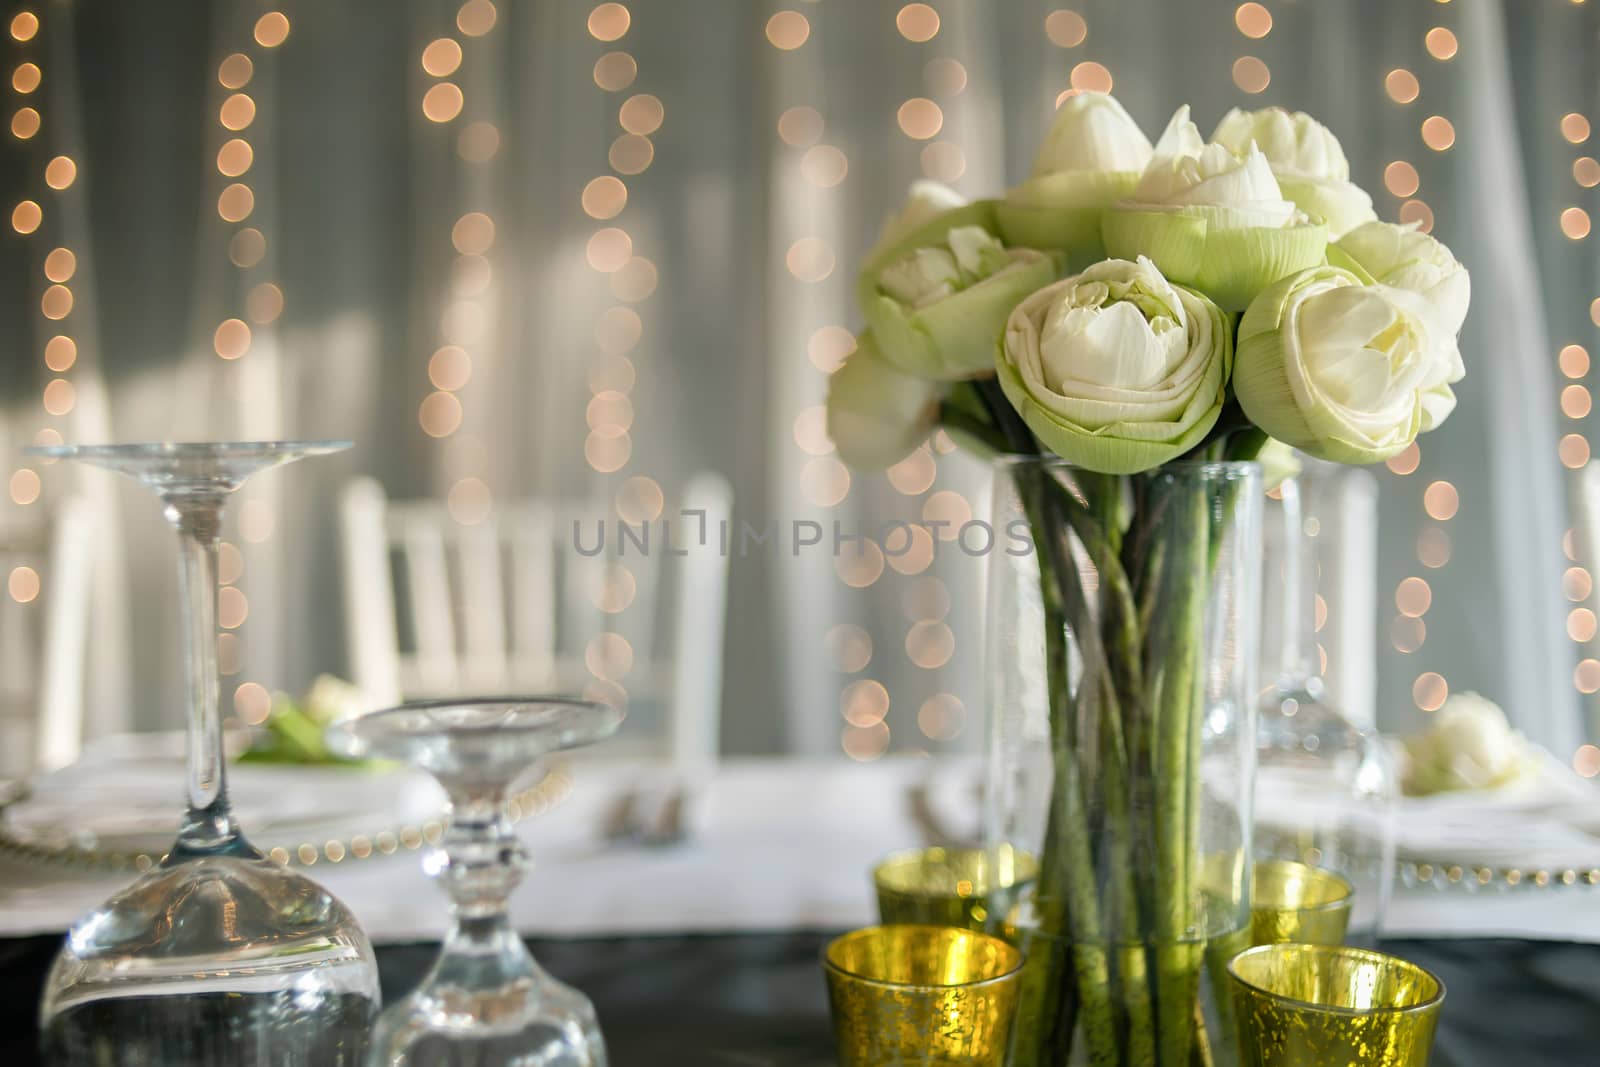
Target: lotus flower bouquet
x,y
1128,331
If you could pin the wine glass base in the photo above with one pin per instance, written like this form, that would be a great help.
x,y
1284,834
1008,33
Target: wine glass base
x,y
532,1023
214,960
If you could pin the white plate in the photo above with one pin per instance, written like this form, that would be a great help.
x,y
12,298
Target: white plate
x,y
126,795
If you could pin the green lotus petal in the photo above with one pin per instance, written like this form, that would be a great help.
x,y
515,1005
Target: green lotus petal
x,y
1115,449
1063,212
979,213
1279,463
954,337
1343,205
1173,241
1229,264
1291,412
1338,257
877,415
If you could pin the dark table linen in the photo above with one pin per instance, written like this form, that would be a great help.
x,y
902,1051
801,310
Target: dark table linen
x,y
757,1000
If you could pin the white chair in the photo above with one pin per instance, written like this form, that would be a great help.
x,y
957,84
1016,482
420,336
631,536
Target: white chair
x,y
516,603
44,625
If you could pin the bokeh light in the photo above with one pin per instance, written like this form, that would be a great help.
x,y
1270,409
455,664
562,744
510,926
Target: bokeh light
x,y
917,23
788,30
1065,28
1430,691
1401,85
920,118
1253,20
1251,74
441,57
272,29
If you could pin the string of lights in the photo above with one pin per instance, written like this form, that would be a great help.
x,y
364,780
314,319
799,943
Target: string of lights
x,y
468,307
631,280
1413,596
258,303
27,217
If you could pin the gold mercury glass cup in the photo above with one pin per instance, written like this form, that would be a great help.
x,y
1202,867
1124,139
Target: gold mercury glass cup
x,y
951,886
1332,1006
916,996
1297,902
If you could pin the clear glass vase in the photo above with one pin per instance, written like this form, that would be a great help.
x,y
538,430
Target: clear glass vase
x,y
1325,783
1123,625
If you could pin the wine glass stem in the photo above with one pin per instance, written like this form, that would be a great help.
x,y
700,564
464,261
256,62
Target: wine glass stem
x,y
209,827
480,862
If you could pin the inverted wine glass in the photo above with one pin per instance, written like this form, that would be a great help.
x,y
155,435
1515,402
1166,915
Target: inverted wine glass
x,y
217,956
486,1003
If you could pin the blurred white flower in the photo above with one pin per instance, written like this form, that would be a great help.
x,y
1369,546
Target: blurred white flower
x,y
1469,745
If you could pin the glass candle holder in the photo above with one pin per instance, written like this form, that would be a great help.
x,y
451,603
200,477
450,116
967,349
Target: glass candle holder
x,y
971,887
1292,901
1328,1006
916,996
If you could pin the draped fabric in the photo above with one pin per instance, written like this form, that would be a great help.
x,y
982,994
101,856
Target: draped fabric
x,y
400,203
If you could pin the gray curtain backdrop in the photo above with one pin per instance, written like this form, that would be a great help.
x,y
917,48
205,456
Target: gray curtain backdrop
x,y
752,230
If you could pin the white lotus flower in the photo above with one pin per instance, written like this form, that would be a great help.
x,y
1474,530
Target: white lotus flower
x,y
1469,745
1091,158
1116,369
1405,259
1213,220
936,296
1307,160
1338,369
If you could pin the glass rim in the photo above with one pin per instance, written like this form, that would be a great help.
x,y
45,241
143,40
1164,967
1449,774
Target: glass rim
x,y
187,449
347,730
1344,900
1025,866
1015,959
1012,460
1350,952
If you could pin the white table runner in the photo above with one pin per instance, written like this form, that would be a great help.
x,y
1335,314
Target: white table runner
x,y
781,844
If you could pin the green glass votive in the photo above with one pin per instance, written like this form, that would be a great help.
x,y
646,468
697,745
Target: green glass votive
x,y
1296,902
970,887
922,996
1332,1006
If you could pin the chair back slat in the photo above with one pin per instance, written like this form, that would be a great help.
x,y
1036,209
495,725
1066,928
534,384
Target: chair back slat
x,y
366,554
698,628
428,586
533,598
514,604
482,606
44,640
66,636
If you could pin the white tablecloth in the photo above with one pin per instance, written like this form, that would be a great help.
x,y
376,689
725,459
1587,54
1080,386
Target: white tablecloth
x,y
781,844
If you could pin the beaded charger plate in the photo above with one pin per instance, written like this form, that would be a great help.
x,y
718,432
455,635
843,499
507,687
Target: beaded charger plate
x,y
118,808
1538,831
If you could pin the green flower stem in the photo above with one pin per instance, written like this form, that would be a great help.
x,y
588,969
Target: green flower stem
x,y
1111,654
1065,608
1173,653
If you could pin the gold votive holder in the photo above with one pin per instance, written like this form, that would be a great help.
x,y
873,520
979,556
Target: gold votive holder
x,y
1292,901
922,995
1332,1006
971,887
